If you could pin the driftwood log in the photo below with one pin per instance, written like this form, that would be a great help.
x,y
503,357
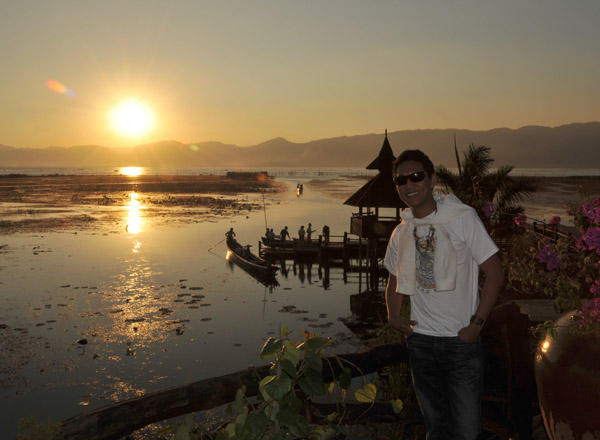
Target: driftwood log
x,y
116,421
508,401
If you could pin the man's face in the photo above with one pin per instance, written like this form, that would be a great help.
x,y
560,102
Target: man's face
x,y
417,195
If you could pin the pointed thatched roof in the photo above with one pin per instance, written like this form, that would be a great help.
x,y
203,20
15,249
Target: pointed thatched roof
x,y
385,160
380,191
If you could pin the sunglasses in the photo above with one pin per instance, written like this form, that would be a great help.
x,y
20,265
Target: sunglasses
x,y
415,177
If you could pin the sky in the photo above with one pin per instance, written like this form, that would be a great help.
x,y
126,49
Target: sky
x,y
246,71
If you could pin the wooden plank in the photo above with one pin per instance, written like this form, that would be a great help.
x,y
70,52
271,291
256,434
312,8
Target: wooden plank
x,y
538,310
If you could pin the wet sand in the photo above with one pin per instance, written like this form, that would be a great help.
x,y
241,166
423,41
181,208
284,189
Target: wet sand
x,y
61,196
47,203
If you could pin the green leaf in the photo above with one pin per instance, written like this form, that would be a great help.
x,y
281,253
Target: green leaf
x,y
291,353
278,388
299,427
183,433
366,394
288,367
239,403
397,406
292,403
222,434
230,430
255,426
315,344
324,432
314,362
261,386
286,416
345,378
271,348
312,383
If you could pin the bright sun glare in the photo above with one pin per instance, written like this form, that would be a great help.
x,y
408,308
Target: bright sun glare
x,y
132,118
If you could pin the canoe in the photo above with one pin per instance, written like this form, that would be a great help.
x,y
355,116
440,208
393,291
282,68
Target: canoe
x,y
277,243
243,257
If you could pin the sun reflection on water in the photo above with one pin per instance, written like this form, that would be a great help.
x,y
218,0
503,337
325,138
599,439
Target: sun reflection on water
x,y
131,171
134,220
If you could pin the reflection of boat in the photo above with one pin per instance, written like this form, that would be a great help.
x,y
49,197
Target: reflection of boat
x,y
243,257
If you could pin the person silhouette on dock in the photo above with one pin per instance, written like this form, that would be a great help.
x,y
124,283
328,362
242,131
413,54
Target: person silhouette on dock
x,y
309,231
326,234
284,234
301,233
230,235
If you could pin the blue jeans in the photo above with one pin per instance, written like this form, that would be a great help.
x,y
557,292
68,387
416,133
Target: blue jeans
x,y
448,378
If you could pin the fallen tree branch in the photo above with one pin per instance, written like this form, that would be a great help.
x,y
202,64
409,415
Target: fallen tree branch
x,y
116,421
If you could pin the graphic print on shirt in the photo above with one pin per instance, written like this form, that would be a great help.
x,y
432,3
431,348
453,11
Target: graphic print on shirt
x,y
425,250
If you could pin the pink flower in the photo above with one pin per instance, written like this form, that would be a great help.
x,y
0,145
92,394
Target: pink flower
x,y
521,220
555,220
592,211
590,312
595,289
590,240
550,257
489,209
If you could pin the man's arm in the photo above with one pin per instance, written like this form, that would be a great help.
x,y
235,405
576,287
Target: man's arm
x,y
393,302
492,268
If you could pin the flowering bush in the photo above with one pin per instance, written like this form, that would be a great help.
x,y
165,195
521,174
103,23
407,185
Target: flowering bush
x,y
589,318
488,209
521,220
560,266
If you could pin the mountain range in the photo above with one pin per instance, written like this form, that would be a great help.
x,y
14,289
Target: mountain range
x,y
567,146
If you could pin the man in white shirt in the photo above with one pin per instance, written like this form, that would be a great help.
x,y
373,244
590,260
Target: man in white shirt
x,y
434,257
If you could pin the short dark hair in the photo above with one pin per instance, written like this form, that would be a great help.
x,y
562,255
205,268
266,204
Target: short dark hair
x,y
417,156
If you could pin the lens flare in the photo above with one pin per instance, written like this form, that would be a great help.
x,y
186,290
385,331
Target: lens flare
x,y
58,87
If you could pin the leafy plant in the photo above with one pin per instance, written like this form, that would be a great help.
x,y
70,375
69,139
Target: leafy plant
x,y
281,410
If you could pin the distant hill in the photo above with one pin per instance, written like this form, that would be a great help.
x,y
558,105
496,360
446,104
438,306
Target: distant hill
x,y
566,146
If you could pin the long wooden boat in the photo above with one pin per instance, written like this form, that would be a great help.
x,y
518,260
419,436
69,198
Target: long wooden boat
x,y
243,257
276,242
290,247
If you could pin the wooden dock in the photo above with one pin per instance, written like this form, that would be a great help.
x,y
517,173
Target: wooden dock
x,y
337,248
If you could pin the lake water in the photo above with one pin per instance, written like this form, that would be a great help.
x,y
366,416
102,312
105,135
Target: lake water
x,y
158,305
278,172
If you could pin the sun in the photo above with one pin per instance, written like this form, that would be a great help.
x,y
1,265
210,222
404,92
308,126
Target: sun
x,y
132,118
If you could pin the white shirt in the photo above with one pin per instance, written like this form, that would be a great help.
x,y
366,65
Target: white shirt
x,y
445,313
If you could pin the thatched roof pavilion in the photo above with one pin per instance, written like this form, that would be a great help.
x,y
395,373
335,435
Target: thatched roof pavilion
x,y
378,192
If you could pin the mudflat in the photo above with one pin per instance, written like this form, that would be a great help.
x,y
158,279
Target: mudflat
x,y
42,203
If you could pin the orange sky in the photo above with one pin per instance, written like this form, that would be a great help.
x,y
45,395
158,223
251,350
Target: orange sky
x,y
243,72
